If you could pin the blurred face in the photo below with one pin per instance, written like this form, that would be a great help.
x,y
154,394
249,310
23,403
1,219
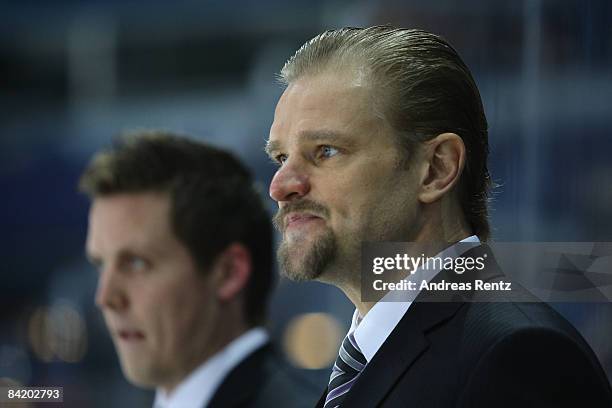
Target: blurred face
x,y
159,309
338,181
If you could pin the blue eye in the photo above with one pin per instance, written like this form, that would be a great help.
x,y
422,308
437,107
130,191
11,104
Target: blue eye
x,y
329,151
138,264
134,264
280,159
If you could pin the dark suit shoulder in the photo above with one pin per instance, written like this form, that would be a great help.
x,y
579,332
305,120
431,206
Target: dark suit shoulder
x,y
483,325
262,380
536,365
285,385
486,323
490,354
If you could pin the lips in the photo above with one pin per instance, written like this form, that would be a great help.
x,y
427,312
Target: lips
x,y
296,219
130,335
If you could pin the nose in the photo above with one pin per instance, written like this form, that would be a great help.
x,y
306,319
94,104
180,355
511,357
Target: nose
x,y
110,293
289,183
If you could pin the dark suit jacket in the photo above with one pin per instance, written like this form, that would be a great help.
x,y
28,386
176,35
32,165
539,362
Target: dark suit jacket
x,y
468,355
264,380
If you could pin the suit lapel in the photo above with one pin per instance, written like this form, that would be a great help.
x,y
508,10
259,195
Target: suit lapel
x,y
402,348
321,401
406,343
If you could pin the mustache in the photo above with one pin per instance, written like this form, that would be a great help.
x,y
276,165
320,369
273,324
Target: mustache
x,y
298,206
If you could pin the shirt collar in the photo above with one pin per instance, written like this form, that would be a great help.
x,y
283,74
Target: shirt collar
x,y
198,388
372,330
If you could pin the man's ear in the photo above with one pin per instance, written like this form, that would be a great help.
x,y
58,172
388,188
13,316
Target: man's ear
x,y
234,267
445,156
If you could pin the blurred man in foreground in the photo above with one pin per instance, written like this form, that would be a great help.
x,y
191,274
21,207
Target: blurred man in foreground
x,y
183,247
380,135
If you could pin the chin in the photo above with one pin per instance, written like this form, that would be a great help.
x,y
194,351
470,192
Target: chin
x,y
306,262
139,376
299,275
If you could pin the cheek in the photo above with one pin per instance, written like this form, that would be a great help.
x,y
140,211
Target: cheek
x,y
376,200
158,307
338,197
357,192
187,314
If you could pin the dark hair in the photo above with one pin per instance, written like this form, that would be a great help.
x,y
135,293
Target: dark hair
x,y
423,88
213,200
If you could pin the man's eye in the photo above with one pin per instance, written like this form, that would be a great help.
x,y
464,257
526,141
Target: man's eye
x,y
280,159
329,151
135,264
138,264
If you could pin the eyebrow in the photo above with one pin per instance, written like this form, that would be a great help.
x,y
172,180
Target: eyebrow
x,y
123,254
313,136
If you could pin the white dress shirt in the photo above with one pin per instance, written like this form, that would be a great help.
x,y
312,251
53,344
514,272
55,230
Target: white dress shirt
x,y
198,388
372,330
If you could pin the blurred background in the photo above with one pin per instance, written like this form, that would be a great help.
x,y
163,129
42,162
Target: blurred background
x,y
76,73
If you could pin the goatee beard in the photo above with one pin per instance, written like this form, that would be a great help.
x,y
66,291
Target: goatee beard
x,y
304,261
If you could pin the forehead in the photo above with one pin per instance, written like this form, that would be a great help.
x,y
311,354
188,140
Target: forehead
x,y
130,219
325,104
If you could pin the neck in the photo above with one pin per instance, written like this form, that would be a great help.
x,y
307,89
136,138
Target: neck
x,y
445,235
230,328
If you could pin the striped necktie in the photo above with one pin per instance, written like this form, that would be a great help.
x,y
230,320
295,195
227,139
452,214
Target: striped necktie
x,y
348,366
